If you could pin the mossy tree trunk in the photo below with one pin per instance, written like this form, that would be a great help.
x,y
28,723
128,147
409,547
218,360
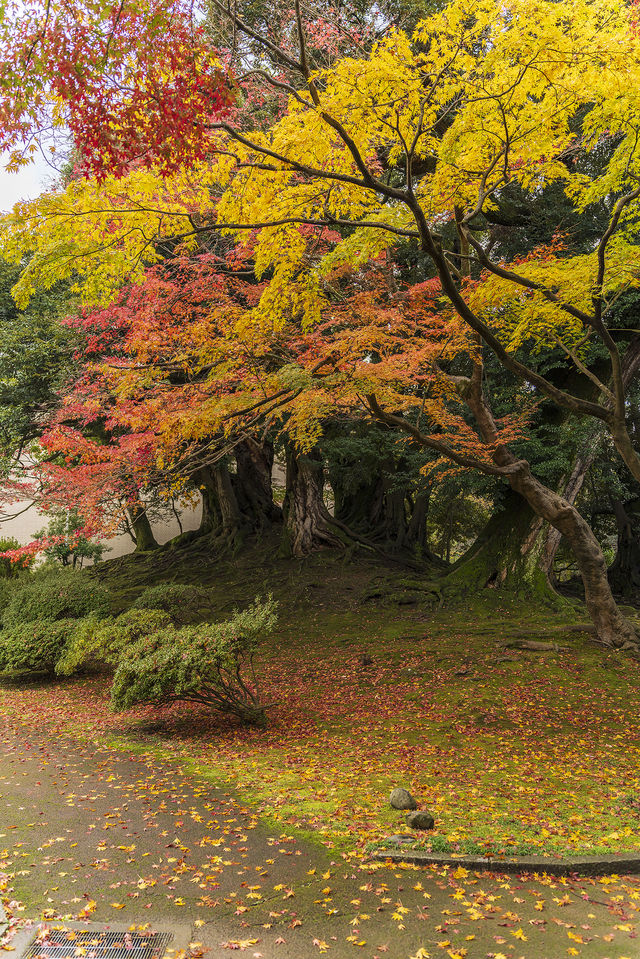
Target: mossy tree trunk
x,y
612,629
506,555
142,531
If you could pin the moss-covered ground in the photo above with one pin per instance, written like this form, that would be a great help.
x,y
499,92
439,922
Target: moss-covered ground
x,y
512,750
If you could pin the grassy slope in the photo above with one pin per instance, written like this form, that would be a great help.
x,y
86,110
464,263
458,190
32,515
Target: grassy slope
x,y
537,752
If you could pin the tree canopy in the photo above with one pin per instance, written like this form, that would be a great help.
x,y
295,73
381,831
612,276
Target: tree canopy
x,y
431,228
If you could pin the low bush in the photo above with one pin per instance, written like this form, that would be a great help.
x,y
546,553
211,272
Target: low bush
x,y
8,569
54,595
7,589
184,603
212,664
35,647
103,642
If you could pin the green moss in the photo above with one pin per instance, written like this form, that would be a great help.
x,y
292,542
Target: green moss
x,y
481,740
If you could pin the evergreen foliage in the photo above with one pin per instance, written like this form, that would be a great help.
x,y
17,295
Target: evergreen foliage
x,y
54,595
34,647
211,664
184,603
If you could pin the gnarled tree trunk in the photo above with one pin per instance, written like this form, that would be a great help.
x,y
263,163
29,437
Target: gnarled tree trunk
x,y
306,527
612,629
383,510
253,485
504,555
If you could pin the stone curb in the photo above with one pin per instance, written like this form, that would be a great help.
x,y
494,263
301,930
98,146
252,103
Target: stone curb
x,y
583,865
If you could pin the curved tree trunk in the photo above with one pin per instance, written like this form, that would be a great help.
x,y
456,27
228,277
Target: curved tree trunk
x,y
612,629
305,524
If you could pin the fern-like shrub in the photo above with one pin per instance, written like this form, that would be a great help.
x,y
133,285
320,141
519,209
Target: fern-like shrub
x,y
212,664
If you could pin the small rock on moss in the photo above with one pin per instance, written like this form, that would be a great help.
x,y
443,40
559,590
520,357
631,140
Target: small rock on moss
x,y
402,799
420,820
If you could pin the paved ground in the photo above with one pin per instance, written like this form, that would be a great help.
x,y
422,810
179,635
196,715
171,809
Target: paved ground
x,y
120,839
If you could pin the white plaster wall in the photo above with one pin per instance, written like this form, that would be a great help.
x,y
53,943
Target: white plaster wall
x,y
25,526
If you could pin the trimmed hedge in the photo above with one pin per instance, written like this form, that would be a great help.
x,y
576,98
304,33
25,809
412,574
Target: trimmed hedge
x,y
184,603
35,647
104,641
53,596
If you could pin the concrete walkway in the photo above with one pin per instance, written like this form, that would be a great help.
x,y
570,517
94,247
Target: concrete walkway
x,y
96,834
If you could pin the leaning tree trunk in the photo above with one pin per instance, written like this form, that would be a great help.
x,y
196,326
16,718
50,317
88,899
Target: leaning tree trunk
x,y
505,555
585,458
306,527
142,531
581,466
612,629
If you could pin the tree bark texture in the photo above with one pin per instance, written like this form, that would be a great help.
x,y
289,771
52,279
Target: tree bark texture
x,y
624,573
253,485
142,531
305,515
503,556
612,629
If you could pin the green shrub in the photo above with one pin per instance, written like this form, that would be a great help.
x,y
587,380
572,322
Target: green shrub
x,y
34,647
184,603
9,570
212,663
7,589
102,642
55,595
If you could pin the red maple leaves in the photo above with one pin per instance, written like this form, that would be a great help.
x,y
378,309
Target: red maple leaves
x,y
134,83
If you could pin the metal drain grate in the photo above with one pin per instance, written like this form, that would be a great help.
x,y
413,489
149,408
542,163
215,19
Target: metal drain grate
x,y
90,944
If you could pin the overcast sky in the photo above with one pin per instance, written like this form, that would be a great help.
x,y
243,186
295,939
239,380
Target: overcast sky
x,y
24,185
